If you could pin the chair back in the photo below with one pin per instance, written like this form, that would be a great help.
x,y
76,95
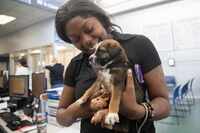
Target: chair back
x,y
170,81
184,89
191,83
176,93
38,84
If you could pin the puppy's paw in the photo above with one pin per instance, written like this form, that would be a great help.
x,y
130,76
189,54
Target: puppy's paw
x,y
112,118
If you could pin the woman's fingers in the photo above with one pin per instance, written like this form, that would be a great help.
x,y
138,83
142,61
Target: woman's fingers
x,y
129,81
99,116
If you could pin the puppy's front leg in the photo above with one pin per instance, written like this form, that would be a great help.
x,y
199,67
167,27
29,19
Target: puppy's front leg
x,y
112,116
89,92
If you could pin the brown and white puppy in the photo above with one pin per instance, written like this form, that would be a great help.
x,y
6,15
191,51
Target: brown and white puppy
x,y
111,64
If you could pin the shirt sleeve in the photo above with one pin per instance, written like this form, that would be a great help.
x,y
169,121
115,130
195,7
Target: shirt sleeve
x,y
69,78
147,53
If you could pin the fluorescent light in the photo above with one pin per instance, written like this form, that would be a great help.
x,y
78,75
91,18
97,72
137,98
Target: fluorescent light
x,y
4,19
22,54
37,51
60,47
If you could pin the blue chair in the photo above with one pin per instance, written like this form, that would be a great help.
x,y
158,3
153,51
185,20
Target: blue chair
x,y
175,112
191,91
176,95
185,89
187,94
171,83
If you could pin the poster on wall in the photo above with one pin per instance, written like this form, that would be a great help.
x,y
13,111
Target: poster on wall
x,y
160,35
187,33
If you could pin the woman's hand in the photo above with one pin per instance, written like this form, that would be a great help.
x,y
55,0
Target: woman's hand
x,y
99,103
129,106
99,117
128,98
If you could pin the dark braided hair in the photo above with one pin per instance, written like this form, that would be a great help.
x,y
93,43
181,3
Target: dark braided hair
x,y
82,8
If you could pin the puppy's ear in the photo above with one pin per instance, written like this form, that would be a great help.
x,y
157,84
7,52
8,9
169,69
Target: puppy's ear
x,y
114,51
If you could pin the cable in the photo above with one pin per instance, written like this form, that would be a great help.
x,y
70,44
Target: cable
x,y
145,118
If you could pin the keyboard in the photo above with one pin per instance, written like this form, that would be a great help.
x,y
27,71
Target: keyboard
x,y
9,117
13,121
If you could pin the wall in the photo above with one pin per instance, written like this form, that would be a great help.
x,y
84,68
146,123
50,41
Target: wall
x,y
3,45
187,60
34,36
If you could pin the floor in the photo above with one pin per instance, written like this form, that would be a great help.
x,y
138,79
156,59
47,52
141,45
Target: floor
x,y
189,124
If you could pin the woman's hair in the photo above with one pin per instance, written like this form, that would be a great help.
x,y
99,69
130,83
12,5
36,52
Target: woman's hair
x,y
82,8
23,61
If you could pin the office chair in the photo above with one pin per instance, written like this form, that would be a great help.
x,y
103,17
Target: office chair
x,y
171,83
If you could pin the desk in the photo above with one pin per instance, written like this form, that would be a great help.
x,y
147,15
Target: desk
x,y
3,124
75,128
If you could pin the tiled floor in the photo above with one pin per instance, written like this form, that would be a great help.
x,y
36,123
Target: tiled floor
x,y
189,124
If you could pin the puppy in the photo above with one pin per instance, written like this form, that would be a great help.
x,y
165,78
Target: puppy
x,y
111,64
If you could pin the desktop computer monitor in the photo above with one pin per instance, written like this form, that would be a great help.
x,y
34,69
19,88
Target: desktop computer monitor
x,y
39,84
3,89
18,85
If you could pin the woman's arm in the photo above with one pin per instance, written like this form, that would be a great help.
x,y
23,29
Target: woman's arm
x,y
68,110
158,94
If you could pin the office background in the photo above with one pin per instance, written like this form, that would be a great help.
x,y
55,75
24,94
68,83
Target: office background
x,y
172,26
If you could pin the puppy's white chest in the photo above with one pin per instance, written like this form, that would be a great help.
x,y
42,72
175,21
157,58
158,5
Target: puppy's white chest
x,y
106,76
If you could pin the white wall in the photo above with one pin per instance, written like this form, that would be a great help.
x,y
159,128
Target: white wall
x,y
3,47
187,60
34,36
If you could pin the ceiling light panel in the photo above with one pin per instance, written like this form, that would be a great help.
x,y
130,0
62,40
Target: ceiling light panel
x,y
4,19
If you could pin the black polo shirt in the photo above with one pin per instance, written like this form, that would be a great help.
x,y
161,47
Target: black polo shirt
x,y
80,75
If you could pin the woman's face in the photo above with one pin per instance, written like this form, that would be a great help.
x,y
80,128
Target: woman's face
x,y
84,33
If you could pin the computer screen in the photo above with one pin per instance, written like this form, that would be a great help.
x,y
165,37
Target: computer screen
x,y
38,84
18,85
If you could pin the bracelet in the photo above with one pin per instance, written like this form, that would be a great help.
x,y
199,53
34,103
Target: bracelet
x,y
148,114
145,117
150,110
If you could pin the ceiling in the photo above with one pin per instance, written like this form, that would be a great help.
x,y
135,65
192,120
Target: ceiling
x,y
25,15
28,12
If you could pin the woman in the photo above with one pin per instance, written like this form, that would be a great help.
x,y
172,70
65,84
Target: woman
x,y
84,24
